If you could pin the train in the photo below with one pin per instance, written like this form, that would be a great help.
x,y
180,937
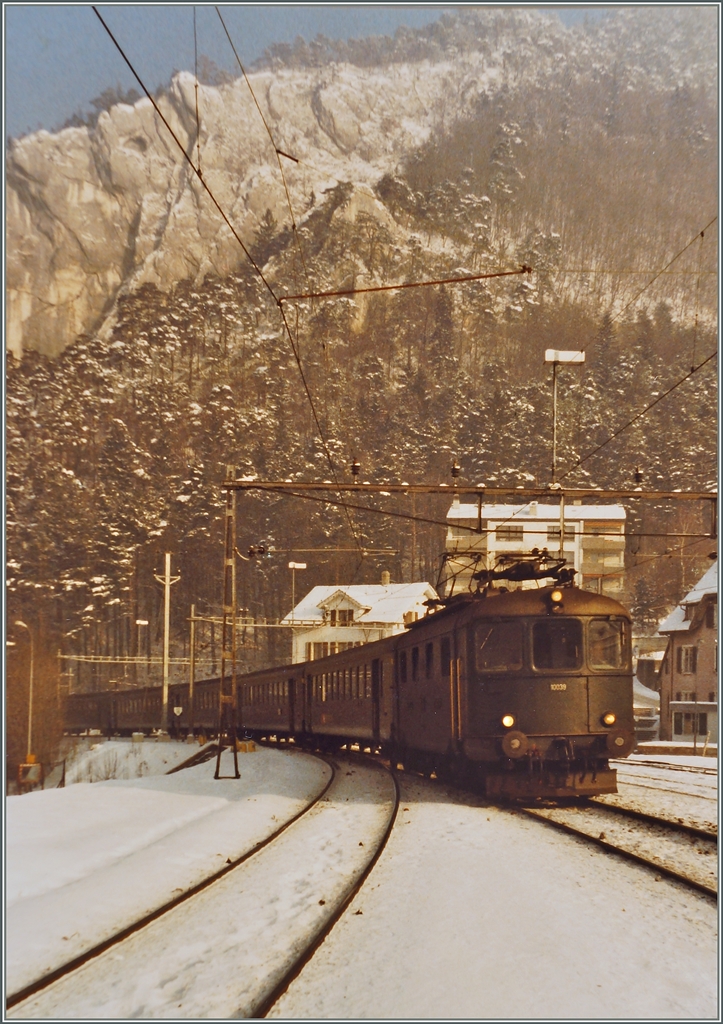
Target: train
x,y
522,693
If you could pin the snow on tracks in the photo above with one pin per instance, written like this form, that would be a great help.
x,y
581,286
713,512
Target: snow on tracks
x,y
476,912
222,952
88,862
664,846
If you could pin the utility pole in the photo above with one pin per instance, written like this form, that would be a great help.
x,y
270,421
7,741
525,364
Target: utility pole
x,y
227,697
192,668
167,582
24,625
556,357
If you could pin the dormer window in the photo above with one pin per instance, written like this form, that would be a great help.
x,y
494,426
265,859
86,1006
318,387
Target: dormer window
x,y
341,616
688,610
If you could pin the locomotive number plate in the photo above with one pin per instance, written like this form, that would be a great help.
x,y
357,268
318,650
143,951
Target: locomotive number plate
x,y
558,686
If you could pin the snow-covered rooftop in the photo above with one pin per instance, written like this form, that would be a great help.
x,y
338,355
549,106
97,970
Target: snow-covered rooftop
x,y
536,510
707,584
643,696
379,603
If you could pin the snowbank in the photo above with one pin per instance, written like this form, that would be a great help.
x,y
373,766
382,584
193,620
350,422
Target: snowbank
x,y
86,861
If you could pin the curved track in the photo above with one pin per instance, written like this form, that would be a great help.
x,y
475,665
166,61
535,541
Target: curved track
x,y
262,1009
233,949
77,962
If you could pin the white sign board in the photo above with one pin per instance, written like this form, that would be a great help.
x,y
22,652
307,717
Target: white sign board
x,y
553,355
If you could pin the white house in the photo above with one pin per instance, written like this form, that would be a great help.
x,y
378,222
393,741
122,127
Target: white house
x,y
594,541
689,673
333,618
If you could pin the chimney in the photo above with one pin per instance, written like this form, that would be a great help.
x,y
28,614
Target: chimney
x,y
386,579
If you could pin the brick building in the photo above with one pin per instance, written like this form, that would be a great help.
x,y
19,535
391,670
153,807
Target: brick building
x,y
689,672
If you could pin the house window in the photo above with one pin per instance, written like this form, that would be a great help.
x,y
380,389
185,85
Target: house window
x,y
309,652
415,664
711,616
687,723
711,697
509,532
687,660
686,695
688,610
553,532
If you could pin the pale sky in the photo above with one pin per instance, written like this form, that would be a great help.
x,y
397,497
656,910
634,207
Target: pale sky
x,y
57,57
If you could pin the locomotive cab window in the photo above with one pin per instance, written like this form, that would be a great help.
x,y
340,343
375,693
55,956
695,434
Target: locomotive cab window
x,y
557,644
498,646
608,643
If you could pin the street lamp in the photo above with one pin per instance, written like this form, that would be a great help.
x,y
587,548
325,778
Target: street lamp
x,y
294,566
554,356
24,625
139,623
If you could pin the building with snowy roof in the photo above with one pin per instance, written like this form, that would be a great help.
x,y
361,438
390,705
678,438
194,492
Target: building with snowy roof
x,y
689,672
331,619
594,542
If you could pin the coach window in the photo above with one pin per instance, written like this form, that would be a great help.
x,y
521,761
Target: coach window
x,y
607,643
557,644
367,683
445,655
429,660
415,664
498,646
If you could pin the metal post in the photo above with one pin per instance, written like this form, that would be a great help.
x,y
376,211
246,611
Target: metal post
x,y
167,582
695,722
227,704
24,625
192,669
562,524
554,420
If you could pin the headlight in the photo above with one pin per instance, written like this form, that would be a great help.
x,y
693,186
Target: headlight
x,y
508,721
609,719
556,596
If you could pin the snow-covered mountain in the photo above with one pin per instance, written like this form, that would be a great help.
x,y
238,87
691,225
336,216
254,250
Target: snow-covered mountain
x,y
95,211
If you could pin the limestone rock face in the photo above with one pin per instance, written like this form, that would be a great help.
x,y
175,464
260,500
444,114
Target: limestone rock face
x,y
94,211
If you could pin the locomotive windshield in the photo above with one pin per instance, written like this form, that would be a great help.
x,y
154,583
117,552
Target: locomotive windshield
x,y
499,647
607,641
557,644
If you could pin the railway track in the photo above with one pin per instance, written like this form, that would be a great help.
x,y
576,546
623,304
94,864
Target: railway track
x,y
671,849
230,947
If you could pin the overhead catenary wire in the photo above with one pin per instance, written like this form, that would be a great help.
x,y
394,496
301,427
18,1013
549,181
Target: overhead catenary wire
x,y
638,415
407,284
257,269
277,151
195,74
698,234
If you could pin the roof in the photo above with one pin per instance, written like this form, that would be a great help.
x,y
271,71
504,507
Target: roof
x,y
707,584
380,603
643,696
535,510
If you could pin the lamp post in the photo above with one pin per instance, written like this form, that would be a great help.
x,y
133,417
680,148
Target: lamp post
x,y
554,356
294,566
139,623
23,625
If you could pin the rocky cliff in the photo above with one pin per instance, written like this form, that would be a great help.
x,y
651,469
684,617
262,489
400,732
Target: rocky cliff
x,y
93,212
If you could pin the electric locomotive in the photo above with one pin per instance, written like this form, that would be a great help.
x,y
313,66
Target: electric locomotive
x,y
523,693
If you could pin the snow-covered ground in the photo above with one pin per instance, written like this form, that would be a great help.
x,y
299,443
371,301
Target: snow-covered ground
x,y
479,912
220,953
472,910
86,861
